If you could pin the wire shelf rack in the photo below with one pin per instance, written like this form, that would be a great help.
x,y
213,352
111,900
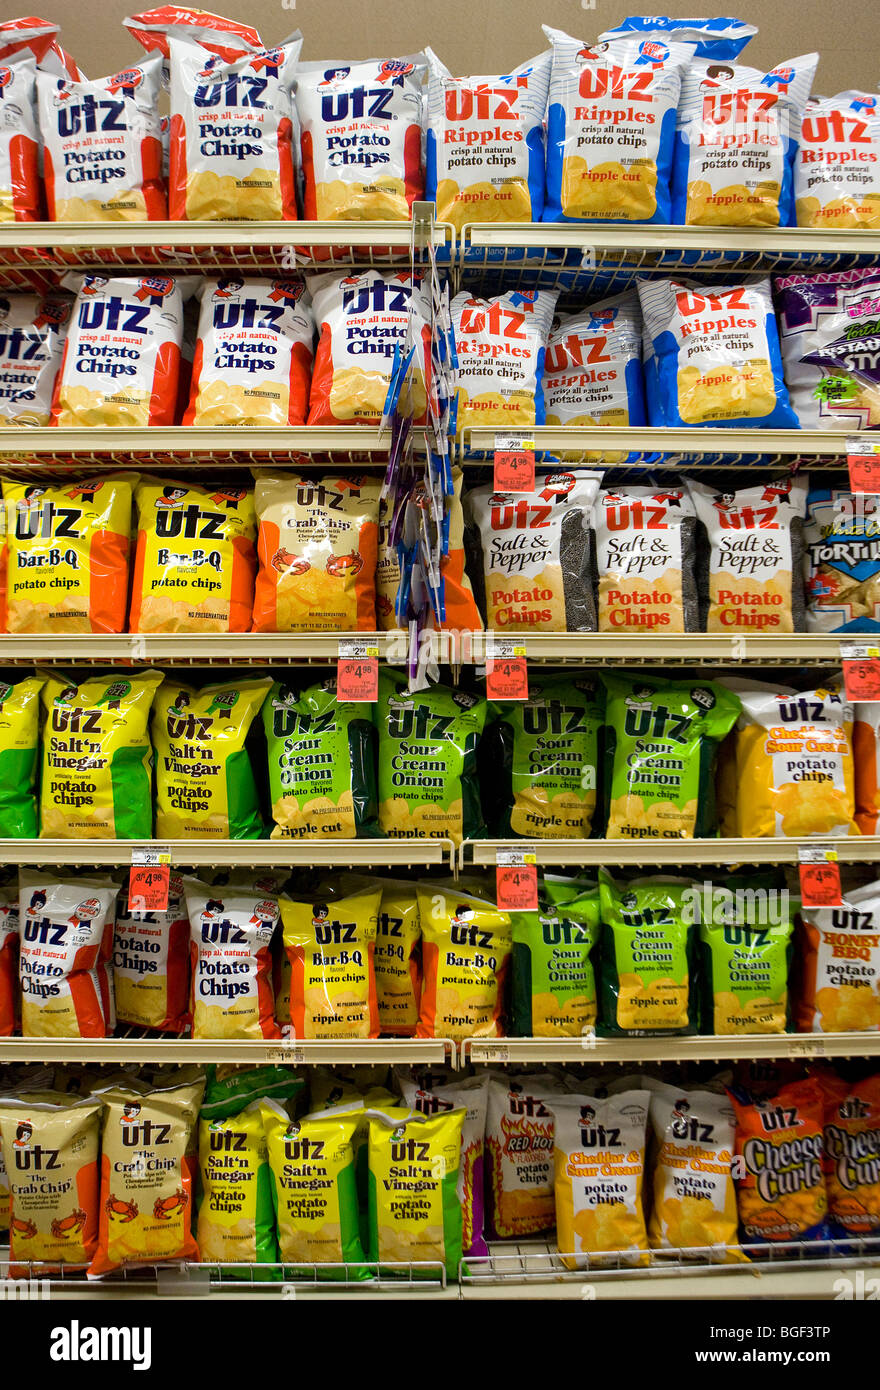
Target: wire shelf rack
x,y
696,447
135,1045
591,1050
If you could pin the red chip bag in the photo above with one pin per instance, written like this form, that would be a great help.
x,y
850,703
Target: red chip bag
x,y
9,1010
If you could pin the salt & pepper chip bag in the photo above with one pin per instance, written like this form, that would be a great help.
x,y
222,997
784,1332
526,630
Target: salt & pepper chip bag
x,y
828,328
413,1205
837,164
20,199
852,1153
361,126
97,762
501,343
649,964
485,143
842,561
553,991
253,358
745,964
717,354
593,366
646,559
32,331
19,748
694,1199
64,928
736,143
470,1095
65,555
231,932
599,1168
837,988
778,1163
466,944
151,963
330,944
236,1217
866,757
312,1163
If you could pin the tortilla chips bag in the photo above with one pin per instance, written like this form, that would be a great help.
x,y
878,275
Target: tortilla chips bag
x,y
32,331
466,944
852,1153
231,932
836,181
649,957
312,1165
828,324
414,1212
746,960
97,760
20,199
842,540
838,977
694,1199
236,1217
330,944
19,740
151,963
646,558
65,927
553,991
778,1164
501,344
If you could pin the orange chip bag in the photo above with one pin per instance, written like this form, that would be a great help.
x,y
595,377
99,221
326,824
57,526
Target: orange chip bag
x,y
838,988
777,1167
852,1152
460,611
66,927
151,963
866,756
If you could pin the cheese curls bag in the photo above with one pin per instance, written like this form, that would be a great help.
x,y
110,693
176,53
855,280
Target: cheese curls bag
x,y
553,993
32,333
231,156
63,926
778,1163
317,545
842,562
20,199
53,1215
19,744
361,137
754,556
66,555
148,1166
717,355
649,957
236,1217
151,963
611,128
646,559
711,38
736,143
866,757
361,318
97,758
501,343
485,143
838,977
205,783
837,164
466,944
593,366
852,1153
694,1199
471,1095
196,558
519,1154
828,331
230,951
413,1205
10,1002
253,359
330,944
122,352
314,1187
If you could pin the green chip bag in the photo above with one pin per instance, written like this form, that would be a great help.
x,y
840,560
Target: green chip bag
x,y
231,1089
19,741
746,949
554,983
414,1211
648,958
661,740
428,784
540,760
322,763
236,1215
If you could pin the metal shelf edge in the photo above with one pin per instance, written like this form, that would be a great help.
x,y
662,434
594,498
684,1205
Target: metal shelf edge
x,y
600,439
292,1052
589,1049
238,853
854,849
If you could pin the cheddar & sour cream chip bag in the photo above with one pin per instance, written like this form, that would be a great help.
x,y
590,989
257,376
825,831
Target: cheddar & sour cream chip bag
x,y
838,977
466,943
65,927
645,558
413,1203
19,141
32,333
837,165
599,1171
501,344
54,1215
694,1199
231,937
330,944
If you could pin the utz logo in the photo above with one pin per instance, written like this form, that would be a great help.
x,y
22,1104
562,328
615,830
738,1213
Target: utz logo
x,y
865,103
652,53
334,77
268,62
93,284
286,291
780,78
5,79
592,55
125,82
84,912
208,69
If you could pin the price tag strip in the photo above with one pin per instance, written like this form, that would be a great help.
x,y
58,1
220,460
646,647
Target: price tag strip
x,y
514,463
516,879
149,880
861,672
506,673
820,877
863,463
357,672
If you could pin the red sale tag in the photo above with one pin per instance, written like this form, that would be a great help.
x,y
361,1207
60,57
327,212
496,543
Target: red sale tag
x,y
514,463
506,673
863,462
357,673
516,880
148,881
861,673
820,885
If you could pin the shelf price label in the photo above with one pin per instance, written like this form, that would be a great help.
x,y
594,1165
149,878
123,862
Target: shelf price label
x,y
506,674
861,672
863,463
149,880
516,878
357,672
514,463
820,877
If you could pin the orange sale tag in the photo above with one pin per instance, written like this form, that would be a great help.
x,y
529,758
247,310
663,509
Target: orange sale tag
x,y
516,880
149,881
357,673
514,463
820,877
861,673
863,463
506,674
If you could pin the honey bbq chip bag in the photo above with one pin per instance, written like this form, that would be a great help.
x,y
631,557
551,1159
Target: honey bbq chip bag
x,y
501,343
361,128
829,323
65,555
553,990
312,1165
842,561
649,957
20,199
330,943
151,963
148,1168
466,944
852,1153
746,956
196,559
65,928
519,1154
236,1217
317,544
10,1000
97,760
19,741
645,560
253,358
661,742
837,164
485,143
838,965
231,932
778,1163
32,331
593,366
471,1095
413,1204
694,1198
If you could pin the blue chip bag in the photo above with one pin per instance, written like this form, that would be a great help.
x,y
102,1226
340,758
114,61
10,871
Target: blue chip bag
x,y
842,538
719,39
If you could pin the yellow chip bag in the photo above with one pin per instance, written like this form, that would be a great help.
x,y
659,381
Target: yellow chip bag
x,y
330,944
414,1212
694,1196
397,959
466,945
312,1164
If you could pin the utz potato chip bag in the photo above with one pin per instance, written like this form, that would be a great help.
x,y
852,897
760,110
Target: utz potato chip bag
x,y
10,1003
361,138
317,550
330,943
599,1166
661,741
458,606
466,943
96,780
711,38
151,963
205,784
778,1164
428,741
397,959
649,957
836,179
694,1199
225,37
236,1216
485,143
842,561
755,556
543,755
230,951
838,965
519,1154
148,1165
122,352
534,553
866,759
829,323
65,555
230,1089
196,558
716,353
20,199
852,1153
746,957
593,366
39,37
32,333
553,992
646,560
470,1095
322,775
53,1216
64,927
102,148
413,1204
231,153
19,738
312,1164
253,359
501,343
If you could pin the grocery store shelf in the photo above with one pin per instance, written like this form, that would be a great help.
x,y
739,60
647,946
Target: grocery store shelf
x,y
590,1049
193,446
193,649
287,853
853,849
646,648
710,447
285,1051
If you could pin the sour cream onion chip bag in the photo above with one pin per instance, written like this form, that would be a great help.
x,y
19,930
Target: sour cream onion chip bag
x,y
361,138
20,199
501,344
829,327
253,358
330,944
838,978
717,354
837,165
312,1163
778,1164
32,333
470,1095
593,366
842,538
413,1209
646,559
553,994
19,746
736,143
649,957
485,147
852,1153
466,944
65,926
694,1199
231,931
746,959
151,963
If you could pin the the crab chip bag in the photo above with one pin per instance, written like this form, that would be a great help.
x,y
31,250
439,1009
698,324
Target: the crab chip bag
x,y
330,944
322,754
599,1166
19,740
148,1167
413,1202
196,558
20,199
65,554
471,1095
397,958
778,1163
50,1148
694,1199
428,741
852,1153
317,547
645,558
838,977
649,958
836,180
231,931
501,343
661,740
541,760
32,333
236,1216
842,542
151,963
466,944
519,1154
828,332
10,1002
746,954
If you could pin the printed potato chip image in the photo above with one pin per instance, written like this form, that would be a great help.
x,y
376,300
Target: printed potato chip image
x,y
838,979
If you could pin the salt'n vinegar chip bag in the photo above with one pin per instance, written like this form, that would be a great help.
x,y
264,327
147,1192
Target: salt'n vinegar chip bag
x,y
837,165
501,344
19,142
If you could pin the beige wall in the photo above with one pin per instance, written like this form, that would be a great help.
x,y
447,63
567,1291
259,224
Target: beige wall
x,y
485,36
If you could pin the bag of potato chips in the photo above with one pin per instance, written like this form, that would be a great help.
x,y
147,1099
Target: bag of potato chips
x,y
317,548
519,1154
694,1199
398,959
97,760
852,1153
151,963
828,329
746,958
778,1164
230,1088
501,343
231,932
466,944
866,759
236,1216
837,986
593,366
414,1211
65,927
19,739
20,199
719,39
226,37
836,182
330,944
842,541
10,1001
470,1095
649,957
646,558
65,555
553,992
32,331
